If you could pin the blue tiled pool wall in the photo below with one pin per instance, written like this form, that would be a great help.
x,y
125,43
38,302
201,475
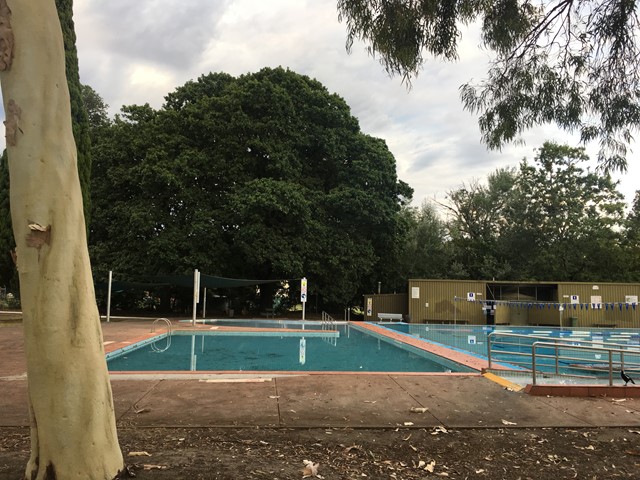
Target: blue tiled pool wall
x,y
257,323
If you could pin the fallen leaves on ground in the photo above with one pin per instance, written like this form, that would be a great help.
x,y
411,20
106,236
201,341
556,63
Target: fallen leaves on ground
x,y
400,454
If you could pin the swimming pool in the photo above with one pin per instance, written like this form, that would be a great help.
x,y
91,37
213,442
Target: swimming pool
x,y
347,350
474,339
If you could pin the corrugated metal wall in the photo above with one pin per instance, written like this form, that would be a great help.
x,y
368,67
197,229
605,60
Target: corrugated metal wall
x,y
614,301
384,303
446,301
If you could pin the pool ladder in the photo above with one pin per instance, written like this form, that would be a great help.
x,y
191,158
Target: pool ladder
x,y
328,323
155,347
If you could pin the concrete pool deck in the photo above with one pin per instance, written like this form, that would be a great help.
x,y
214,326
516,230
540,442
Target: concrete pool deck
x,y
316,401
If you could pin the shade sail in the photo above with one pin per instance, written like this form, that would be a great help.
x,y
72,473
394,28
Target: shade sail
x,y
148,282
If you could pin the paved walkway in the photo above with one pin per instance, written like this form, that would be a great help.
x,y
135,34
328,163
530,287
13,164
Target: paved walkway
x,y
321,401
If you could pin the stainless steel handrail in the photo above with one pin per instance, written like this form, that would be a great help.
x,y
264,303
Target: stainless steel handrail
x,y
561,341
154,347
608,351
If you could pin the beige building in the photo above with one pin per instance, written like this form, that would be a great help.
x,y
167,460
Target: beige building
x,y
583,304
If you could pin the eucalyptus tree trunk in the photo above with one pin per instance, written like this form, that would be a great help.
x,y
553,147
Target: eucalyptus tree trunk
x,y
73,433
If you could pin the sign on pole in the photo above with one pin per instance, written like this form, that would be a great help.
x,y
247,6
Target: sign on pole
x,y
303,290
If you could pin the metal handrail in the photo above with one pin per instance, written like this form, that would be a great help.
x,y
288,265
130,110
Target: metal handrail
x,y
561,341
609,352
154,347
327,322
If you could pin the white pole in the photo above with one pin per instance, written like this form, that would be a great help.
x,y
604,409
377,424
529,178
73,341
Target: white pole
x,y
109,297
455,311
193,352
204,303
196,294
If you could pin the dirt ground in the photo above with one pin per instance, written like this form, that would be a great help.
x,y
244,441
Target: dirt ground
x,y
278,454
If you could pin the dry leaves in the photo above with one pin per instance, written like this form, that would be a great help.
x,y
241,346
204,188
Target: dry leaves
x,y
437,430
310,469
418,409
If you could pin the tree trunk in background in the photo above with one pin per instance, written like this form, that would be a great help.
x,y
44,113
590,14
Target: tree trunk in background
x,y
73,434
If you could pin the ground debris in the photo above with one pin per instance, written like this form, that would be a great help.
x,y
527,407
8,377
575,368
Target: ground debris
x,y
275,454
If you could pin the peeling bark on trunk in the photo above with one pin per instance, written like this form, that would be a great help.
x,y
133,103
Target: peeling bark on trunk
x,y
73,433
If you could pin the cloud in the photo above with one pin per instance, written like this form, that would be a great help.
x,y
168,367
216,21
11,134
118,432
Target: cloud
x,y
135,52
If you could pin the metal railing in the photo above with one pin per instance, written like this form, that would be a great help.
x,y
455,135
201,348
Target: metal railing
x,y
608,364
327,322
154,345
522,350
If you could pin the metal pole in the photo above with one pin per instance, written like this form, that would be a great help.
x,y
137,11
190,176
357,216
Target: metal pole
x,y
454,310
196,292
610,369
533,363
109,297
204,303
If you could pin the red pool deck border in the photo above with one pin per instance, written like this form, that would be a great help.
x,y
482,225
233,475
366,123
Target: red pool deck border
x,y
467,360
617,391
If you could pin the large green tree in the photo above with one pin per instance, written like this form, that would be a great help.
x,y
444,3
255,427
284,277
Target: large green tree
x,y
568,62
475,213
550,219
426,250
570,216
631,240
262,176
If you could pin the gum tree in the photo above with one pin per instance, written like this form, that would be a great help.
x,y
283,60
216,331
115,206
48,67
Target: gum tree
x,y
73,434
572,63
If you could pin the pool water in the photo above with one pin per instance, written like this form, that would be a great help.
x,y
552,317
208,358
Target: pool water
x,y
473,339
351,351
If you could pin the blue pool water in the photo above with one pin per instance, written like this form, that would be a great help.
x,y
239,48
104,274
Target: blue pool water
x,y
474,340
352,351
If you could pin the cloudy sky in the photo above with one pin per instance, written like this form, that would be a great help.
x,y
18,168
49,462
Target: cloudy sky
x,y
135,52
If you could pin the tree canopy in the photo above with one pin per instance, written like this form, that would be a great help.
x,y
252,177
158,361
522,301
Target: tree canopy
x,y
550,219
572,63
262,176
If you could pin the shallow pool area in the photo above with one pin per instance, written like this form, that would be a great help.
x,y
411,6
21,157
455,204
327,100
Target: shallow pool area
x,y
342,349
